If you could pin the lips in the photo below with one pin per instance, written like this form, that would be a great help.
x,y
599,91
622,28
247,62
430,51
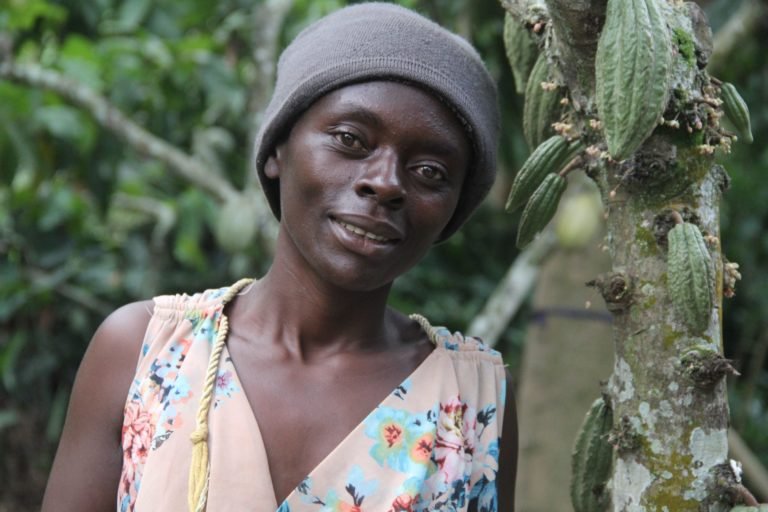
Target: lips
x,y
368,228
361,232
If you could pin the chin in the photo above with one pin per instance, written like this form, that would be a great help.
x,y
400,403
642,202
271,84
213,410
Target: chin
x,y
362,281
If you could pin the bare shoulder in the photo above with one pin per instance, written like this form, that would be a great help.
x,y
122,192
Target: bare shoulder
x,y
121,326
86,470
114,348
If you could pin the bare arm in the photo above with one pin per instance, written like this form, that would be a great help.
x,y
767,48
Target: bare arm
x,y
505,479
86,470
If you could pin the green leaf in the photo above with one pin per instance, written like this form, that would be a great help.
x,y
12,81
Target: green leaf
x,y
79,60
157,52
15,100
9,355
59,120
22,14
67,123
129,18
193,209
61,205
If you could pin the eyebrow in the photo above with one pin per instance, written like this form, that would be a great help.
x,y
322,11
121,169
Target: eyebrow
x,y
362,114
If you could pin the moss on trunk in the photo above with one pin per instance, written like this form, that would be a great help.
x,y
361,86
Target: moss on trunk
x,y
670,431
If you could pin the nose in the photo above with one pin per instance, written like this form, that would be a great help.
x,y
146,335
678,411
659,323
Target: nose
x,y
381,181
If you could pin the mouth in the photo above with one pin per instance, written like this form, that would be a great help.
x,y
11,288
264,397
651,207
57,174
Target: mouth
x,y
361,232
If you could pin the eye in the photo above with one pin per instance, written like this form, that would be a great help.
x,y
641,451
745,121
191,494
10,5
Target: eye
x,y
349,140
431,173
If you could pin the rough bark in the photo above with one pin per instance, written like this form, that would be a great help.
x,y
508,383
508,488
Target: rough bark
x,y
577,29
670,432
682,429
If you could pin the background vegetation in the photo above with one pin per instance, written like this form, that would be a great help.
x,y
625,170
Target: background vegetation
x,y
88,221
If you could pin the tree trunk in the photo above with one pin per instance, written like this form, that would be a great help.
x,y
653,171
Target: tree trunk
x,y
681,430
670,427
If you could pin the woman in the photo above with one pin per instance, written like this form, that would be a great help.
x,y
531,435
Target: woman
x,y
303,391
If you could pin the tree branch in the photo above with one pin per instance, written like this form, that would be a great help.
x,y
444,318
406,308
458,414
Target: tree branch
x,y
268,19
118,123
41,281
755,473
84,298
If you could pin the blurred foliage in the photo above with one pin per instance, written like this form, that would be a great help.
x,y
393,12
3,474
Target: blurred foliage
x,y
744,222
744,218
87,223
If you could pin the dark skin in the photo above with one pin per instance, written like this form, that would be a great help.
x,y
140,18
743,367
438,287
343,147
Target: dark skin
x,y
369,177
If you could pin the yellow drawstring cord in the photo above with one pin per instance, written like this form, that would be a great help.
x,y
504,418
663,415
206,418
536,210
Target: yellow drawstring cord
x,y
425,326
199,471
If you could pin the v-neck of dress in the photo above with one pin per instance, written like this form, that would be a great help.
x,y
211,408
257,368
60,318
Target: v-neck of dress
x,y
438,347
430,445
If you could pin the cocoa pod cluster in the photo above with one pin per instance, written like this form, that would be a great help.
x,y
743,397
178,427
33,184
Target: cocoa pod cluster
x,y
539,186
542,104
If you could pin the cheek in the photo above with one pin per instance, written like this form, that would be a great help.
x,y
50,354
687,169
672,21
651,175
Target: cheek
x,y
300,175
309,190
437,211
319,173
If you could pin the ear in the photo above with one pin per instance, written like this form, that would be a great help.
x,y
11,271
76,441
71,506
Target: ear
x,y
272,165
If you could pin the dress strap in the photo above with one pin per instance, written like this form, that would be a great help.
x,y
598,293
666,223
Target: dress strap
x,y
200,470
426,326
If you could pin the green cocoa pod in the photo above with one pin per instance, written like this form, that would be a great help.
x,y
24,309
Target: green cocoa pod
x,y
548,157
632,73
521,51
736,111
236,224
690,276
592,459
541,107
540,209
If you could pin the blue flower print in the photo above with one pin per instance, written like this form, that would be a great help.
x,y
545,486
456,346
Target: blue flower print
x,y
403,441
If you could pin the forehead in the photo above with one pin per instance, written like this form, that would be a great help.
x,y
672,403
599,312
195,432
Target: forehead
x,y
395,103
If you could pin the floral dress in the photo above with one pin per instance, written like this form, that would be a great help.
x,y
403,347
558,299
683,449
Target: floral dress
x,y
431,445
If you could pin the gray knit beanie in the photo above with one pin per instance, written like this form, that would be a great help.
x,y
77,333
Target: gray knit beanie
x,y
380,41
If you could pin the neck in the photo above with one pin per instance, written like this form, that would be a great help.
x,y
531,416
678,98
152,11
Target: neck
x,y
308,315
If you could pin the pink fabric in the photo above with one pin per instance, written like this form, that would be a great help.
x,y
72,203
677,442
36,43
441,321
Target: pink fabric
x,y
432,441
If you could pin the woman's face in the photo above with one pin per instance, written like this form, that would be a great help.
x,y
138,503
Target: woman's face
x,y
369,177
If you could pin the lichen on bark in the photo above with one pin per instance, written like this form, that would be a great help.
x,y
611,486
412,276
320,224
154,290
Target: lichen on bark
x,y
650,339
678,429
